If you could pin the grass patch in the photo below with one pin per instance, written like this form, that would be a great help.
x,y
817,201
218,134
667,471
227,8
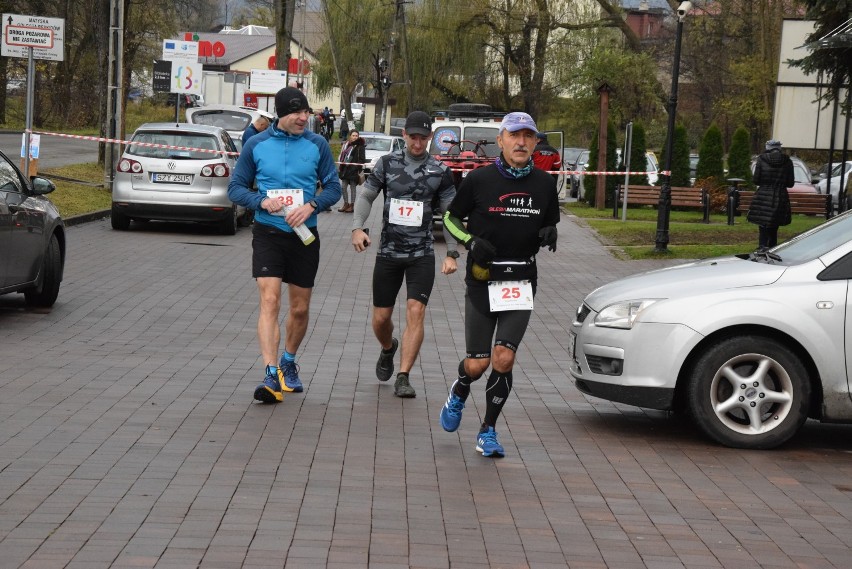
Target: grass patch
x,y
689,238
72,198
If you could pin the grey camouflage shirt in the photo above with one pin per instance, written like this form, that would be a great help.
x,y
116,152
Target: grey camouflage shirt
x,y
405,177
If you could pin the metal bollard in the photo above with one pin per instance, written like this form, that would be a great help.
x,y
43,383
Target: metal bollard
x,y
733,198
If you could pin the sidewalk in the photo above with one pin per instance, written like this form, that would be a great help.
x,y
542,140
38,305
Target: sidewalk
x,y
130,438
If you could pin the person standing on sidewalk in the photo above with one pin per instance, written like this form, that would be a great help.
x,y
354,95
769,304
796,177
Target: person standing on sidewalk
x,y
546,157
770,206
411,178
512,211
287,163
351,156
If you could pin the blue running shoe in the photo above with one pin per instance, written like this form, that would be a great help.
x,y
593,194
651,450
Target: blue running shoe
x,y
488,445
270,390
451,413
288,376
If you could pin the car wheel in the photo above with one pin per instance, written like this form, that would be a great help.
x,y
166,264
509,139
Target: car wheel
x,y
229,224
44,295
119,221
749,392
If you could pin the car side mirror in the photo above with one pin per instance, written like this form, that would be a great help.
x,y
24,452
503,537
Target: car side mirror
x,y
42,186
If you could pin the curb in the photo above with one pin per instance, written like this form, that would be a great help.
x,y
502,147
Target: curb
x,y
87,217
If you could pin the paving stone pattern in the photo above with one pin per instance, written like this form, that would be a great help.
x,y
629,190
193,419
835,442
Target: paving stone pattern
x,y
130,438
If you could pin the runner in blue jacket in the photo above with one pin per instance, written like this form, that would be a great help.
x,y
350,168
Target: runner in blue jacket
x,y
289,165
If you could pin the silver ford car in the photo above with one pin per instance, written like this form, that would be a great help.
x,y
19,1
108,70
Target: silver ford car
x,y
749,346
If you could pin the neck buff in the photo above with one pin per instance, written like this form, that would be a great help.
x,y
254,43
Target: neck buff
x,y
510,171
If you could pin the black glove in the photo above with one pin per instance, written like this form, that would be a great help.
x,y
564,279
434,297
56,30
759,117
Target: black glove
x,y
547,235
481,250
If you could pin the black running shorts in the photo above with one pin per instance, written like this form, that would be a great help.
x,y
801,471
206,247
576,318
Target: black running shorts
x,y
419,274
277,253
480,324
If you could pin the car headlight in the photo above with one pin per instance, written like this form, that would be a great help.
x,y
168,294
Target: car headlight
x,y
623,314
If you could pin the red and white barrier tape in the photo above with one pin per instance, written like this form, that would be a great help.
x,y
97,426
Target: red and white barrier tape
x,y
127,142
170,147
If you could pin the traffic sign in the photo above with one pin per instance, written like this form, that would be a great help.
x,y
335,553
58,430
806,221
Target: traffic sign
x,y
44,35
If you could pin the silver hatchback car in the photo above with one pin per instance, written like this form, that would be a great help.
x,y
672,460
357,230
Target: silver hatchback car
x,y
177,172
750,346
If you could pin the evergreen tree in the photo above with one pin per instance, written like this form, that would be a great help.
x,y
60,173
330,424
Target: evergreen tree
x,y
833,59
680,158
611,158
590,182
711,155
638,161
739,157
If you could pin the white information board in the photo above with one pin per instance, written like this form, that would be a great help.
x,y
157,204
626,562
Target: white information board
x,y
178,50
267,80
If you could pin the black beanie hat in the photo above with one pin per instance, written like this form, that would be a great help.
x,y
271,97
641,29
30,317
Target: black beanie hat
x,y
290,100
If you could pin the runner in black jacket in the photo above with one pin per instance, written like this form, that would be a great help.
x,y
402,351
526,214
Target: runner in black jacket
x,y
512,211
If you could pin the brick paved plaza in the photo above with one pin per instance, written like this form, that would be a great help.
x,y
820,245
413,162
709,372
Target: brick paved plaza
x,y
130,437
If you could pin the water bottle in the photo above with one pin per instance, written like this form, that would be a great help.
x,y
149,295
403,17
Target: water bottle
x,y
302,231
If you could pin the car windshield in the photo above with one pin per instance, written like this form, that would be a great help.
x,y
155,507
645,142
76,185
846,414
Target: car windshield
x,y
488,134
801,174
835,172
380,144
569,155
175,145
229,120
816,242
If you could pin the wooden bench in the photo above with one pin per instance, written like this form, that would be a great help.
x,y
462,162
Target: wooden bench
x,y
807,204
650,195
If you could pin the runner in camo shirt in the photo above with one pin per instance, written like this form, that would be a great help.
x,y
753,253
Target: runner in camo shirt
x,y
411,179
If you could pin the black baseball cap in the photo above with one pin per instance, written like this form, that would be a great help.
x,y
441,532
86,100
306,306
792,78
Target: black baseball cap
x,y
418,122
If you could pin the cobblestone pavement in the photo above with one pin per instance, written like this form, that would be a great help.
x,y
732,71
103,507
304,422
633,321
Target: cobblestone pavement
x,y
130,438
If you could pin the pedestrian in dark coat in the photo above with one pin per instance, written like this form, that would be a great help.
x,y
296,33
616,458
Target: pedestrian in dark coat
x,y
350,171
770,207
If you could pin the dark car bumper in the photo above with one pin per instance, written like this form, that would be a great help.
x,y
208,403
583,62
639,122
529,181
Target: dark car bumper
x,y
649,397
174,212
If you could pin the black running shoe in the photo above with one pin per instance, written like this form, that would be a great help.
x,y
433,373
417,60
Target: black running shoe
x,y
384,366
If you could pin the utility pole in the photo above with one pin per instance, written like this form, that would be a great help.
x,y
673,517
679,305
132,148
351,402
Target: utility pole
x,y
284,11
115,74
387,71
333,47
407,62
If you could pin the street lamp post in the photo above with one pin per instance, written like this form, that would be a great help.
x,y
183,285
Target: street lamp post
x,y
665,204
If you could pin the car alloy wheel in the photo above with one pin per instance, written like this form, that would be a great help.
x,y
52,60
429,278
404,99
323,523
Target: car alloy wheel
x,y
749,392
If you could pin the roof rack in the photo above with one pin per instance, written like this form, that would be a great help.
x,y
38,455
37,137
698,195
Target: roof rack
x,y
467,110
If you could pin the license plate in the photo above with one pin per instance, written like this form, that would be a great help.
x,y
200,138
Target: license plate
x,y
171,178
572,344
